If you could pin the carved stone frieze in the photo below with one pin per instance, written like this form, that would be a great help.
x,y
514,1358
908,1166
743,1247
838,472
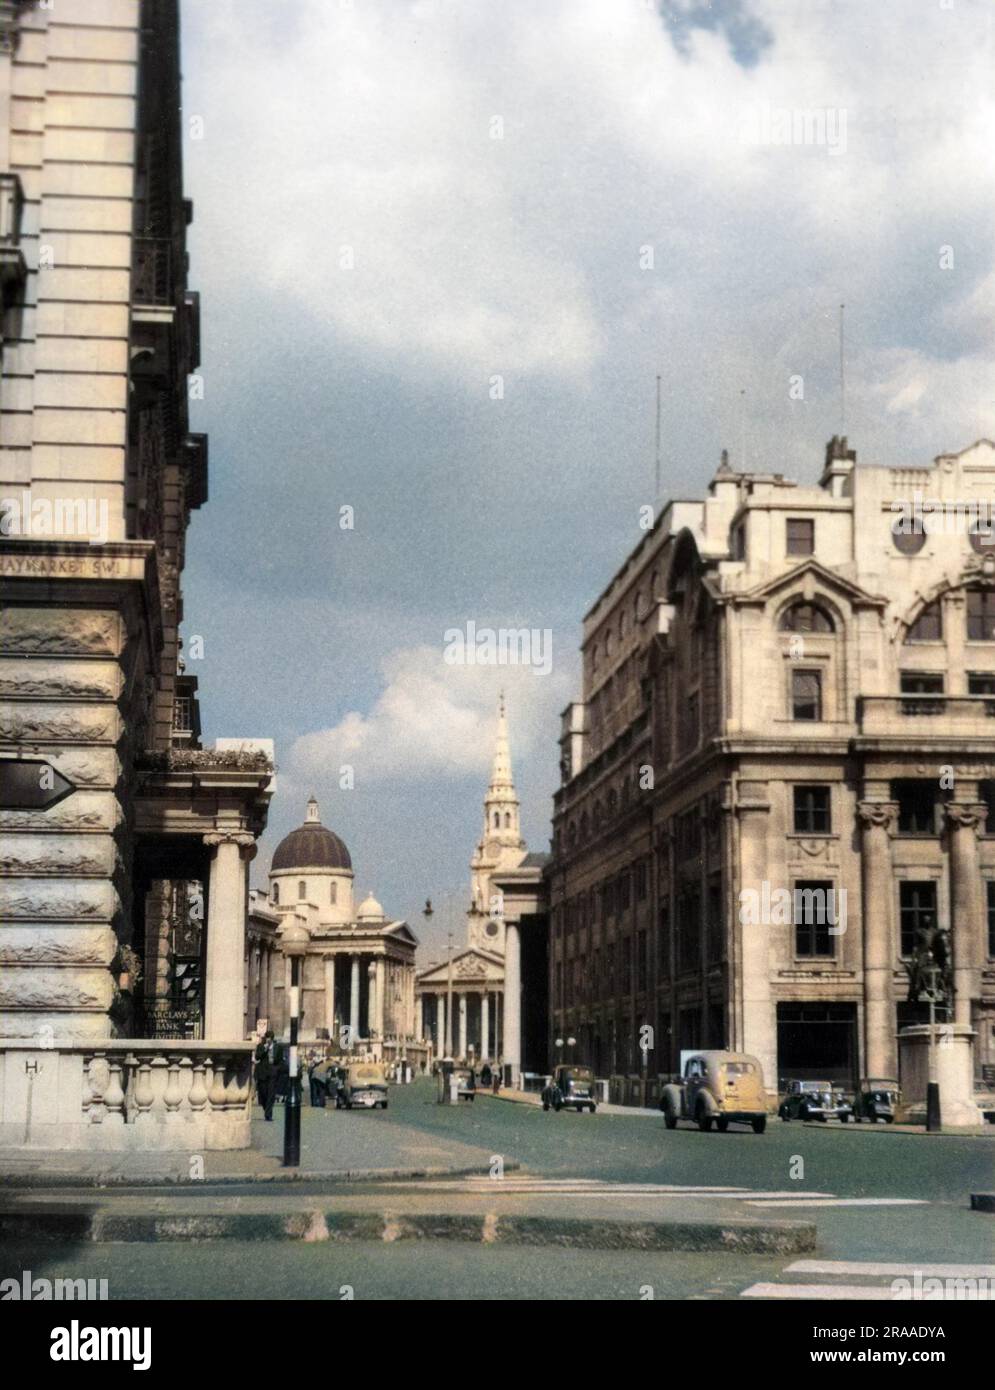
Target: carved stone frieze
x,y
61,680
55,989
45,723
52,899
56,945
54,855
52,631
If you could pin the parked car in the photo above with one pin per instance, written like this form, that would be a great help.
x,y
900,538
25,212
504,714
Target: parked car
x,y
365,1086
815,1100
570,1085
877,1099
719,1087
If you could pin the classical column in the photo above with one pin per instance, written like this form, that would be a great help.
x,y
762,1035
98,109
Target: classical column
x,y
513,1000
440,1023
485,1023
462,1023
371,999
759,1028
380,971
225,964
877,821
353,1000
498,1011
964,821
420,1030
330,994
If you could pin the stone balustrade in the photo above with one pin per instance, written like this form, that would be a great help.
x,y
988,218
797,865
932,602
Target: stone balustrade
x,y
125,1094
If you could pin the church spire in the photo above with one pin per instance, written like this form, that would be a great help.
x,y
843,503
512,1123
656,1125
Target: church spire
x,y
501,778
501,822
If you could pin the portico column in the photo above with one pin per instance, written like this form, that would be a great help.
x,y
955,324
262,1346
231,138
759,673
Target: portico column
x,y
877,820
330,995
371,999
440,1023
353,1000
485,1025
462,1023
380,972
964,820
420,1031
227,896
512,1000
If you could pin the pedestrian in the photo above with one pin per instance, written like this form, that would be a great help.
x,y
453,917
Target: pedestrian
x,y
268,1056
317,1083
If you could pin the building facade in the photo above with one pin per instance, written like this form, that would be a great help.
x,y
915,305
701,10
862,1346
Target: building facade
x,y
358,981
125,845
479,1005
776,784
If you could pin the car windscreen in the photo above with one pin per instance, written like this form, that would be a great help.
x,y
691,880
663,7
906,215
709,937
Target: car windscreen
x,y
579,1075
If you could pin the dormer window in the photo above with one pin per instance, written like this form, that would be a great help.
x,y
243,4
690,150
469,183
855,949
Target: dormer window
x,y
800,535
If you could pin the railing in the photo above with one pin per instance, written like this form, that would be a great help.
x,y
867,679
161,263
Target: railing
x,y
963,716
128,1093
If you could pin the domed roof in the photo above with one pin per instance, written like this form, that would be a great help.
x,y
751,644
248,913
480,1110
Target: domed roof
x,y
311,846
369,910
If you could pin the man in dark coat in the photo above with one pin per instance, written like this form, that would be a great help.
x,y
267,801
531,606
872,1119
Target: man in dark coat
x,y
268,1059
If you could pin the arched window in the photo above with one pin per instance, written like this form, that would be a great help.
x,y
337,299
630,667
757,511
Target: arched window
x,y
333,892
507,820
276,892
928,627
497,820
302,889
806,617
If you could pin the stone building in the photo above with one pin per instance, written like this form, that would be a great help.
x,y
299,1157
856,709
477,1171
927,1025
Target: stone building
x,y
358,983
125,845
779,773
498,1000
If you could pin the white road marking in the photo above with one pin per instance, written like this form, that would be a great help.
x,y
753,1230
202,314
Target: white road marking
x,y
842,1202
877,1268
823,1292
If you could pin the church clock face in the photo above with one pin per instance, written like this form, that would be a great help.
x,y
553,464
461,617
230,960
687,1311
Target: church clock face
x,y
492,930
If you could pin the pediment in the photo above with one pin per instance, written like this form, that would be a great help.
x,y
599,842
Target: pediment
x,y
468,964
807,580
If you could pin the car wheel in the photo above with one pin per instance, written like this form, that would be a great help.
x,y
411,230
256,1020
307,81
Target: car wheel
x,y
670,1119
759,1123
593,1108
784,1114
889,1119
845,1119
704,1120
722,1124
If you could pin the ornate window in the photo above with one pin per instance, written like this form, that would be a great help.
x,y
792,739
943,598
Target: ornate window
x,y
276,892
806,695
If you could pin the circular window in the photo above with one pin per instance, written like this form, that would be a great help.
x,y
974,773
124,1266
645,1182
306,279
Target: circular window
x,y
492,929
982,536
908,539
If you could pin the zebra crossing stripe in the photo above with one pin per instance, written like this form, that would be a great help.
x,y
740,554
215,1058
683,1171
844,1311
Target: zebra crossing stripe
x,y
880,1269
823,1292
840,1202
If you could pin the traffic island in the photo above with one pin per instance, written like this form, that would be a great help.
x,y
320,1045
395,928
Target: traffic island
x,y
674,1225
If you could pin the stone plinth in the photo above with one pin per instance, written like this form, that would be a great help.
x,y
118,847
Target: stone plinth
x,y
125,1094
954,1070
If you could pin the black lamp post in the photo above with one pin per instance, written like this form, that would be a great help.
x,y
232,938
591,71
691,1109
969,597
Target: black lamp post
x,y
293,941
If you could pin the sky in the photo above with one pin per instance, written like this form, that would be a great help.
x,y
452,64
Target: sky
x,y
444,249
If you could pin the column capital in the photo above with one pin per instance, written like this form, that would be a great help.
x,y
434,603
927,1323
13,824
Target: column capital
x,y
243,838
966,814
878,814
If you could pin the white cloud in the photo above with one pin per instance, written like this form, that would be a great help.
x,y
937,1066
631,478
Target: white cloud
x,y
434,720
